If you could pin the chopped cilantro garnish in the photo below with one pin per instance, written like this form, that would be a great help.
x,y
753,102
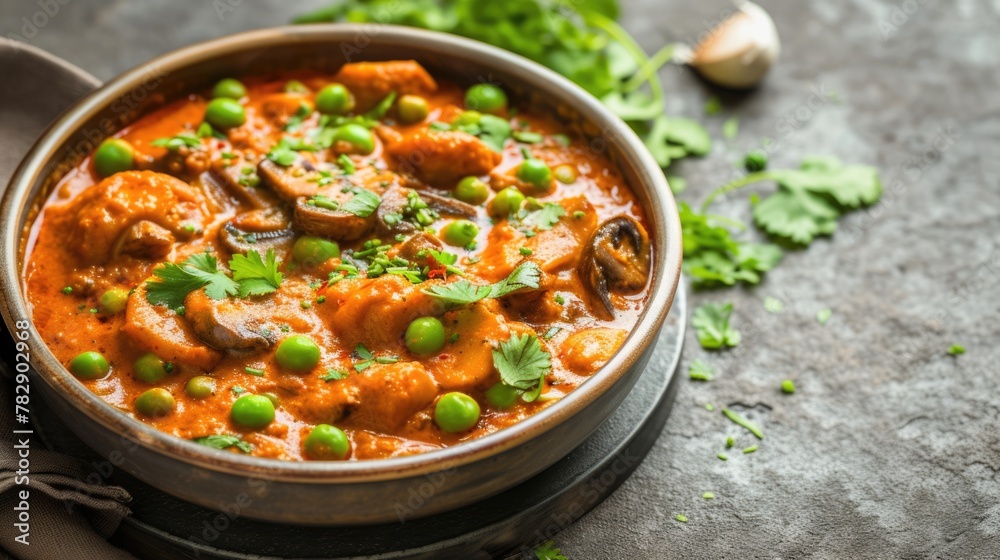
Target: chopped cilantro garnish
x,y
522,364
750,449
773,305
256,276
254,371
713,258
787,386
700,371
526,275
681,517
723,456
175,143
741,421
527,136
224,442
548,551
525,251
711,322
730,441
286,151
175,281
708,495
346,164
545,217
823,315
362,204
551,332
333,375
956,349
730,128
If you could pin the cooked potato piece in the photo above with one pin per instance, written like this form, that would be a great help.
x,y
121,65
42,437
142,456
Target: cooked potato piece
x,y
441,158
588,350
157,329
370,82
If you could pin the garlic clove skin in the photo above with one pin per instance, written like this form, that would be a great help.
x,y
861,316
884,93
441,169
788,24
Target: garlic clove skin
x,y
740,50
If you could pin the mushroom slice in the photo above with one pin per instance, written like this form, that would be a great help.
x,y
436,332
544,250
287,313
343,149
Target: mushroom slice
x,y
144,240
290,182
327,222
616,258
396,200
227,324
232,180
416,246
259,230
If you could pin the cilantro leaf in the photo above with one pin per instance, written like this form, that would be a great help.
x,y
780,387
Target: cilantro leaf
x,y
545,217
711,323
796,214
334,375
700,371
526,275
687,133
285,153
548,551
522,364
383,106
362,204
713,258
175,143
255,276
224,442
177,281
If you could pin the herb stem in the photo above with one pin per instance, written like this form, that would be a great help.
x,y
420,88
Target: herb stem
x,y
652,64
738,184
741,421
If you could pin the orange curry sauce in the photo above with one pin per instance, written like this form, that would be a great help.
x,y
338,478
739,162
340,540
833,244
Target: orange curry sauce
x,y
89,237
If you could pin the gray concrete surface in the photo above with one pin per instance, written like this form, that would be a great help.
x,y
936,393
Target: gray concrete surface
x,y
890,447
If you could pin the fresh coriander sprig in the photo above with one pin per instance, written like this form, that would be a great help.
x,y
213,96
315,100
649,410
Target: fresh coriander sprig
x,y
461,292
523,365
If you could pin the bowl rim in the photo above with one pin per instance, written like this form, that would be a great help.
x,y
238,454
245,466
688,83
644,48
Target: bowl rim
x,y
18,199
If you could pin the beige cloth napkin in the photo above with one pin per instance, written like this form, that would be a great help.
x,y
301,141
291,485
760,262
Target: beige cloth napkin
x,y
68,516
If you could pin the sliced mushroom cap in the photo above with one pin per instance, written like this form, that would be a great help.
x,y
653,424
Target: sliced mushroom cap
x,y
144,240
259,230
416,246
335,224
616,259
227,324
395,200
242,186
290,182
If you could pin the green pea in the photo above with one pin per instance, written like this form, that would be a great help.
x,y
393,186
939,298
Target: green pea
x,y
327,442
565,174
113,301
472,190
486,98
200,387
252,411
150,368
113,156
90,365
334,99
535,171
425,336
155,402
225,113
460,233
297,352
229,87
467,118
456,412
506,202
310,251
412,108
357,136
295,86
501,395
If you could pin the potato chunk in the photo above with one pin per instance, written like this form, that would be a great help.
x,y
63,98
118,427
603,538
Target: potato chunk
x,y
370,82
441,158
588,350
161,331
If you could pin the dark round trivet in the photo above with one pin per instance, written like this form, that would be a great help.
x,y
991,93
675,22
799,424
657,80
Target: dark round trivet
x,y
163,527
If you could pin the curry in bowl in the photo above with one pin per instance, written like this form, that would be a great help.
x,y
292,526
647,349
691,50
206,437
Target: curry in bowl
x,y
360,265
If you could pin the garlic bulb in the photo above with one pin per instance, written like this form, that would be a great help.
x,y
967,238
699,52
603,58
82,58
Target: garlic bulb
x,y
740,50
